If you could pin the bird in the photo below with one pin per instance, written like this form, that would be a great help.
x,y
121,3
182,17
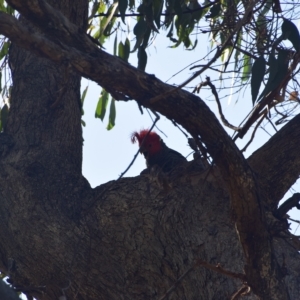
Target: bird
x,y
156,152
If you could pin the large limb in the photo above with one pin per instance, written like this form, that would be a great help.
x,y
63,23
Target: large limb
x,y
277,162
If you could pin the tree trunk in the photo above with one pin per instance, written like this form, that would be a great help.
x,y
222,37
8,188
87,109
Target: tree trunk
x,y
132,238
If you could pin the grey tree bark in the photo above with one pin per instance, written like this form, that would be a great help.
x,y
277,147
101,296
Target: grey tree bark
x,y
132,238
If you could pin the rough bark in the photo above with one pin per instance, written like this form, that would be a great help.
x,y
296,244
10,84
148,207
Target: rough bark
x,y
129,239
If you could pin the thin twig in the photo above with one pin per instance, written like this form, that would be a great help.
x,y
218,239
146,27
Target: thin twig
x,y
290,203
216,56
176,125
109,16
293,220
136,155
202,149
246,52
270,121
153,121
205,264
244,290
172,288
214,91
211,68
221,270
254,131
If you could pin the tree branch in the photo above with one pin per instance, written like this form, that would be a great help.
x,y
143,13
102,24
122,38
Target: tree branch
x,y
272,164
290,203
214,91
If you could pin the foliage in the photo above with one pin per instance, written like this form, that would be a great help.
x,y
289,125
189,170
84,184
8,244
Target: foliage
x,y
4,78
248,42
256,45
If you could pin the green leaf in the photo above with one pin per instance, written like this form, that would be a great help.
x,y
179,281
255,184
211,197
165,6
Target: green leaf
x,y
157,11
237,52
101,8
84,94
122,8
107,31
283,64
4,49
131,4
170,33
3,116
290,32
214,11
169,17
226,53
258,72
139,30
146,38
197,12
184,26
96,35
273,69
115,44
149,16
124,50
178,7
2,7
267,7
10,10
83,123
102,104
142,58
112,115
278,71
194,46
82,99
261,33
107,23
94,9
246,68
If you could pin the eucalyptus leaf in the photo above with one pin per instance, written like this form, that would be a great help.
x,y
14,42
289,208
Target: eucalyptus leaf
x,y
142,58
214,11
4,49
257,76
84,94
278,71
157,11
290,32
122,8
124,50
115,44
273,69
102,105
139,30
112,115
4,115
246,67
